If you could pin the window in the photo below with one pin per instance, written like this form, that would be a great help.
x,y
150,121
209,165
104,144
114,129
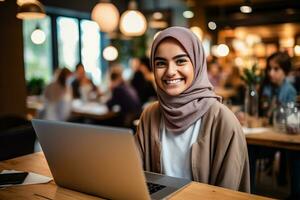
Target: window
x,y
90,49
37,49
78,40
68,42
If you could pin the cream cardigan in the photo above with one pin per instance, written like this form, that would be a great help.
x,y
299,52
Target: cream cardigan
x,y
219,157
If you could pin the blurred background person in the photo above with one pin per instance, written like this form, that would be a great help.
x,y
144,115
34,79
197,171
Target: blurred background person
x,y
214,73
57,97
88,91
82,86
143,80
235,83
79,74
124,99
276,90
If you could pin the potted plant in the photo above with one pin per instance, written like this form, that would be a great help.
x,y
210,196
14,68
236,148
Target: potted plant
x,y
252,79
35,86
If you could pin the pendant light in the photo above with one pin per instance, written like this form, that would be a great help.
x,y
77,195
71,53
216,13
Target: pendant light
x,y
246,7
110,53
38,36
133,22
31,10
106,15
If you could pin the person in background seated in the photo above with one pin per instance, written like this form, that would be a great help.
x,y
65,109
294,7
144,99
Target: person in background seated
x,y
235,82
276,89
214,73
124,98
58,97
188,132
82,86
143,81
88,91
78,76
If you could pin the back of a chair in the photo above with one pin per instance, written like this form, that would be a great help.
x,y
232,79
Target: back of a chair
x,y
17,137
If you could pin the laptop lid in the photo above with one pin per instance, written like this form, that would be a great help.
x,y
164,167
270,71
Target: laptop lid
x,y
97,160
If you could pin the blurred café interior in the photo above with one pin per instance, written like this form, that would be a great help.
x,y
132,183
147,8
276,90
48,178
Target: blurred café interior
x,y
85,62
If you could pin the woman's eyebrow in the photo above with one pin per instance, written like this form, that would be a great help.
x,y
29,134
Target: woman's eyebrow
x,y
159,58
180,56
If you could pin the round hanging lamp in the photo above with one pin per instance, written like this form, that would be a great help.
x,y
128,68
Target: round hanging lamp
x,y
31,10
106,15
110,53
133,22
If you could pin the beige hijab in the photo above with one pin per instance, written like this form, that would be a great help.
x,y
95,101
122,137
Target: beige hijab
x,y
180,112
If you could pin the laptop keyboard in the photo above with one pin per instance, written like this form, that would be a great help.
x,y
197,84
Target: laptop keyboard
x,y
153,187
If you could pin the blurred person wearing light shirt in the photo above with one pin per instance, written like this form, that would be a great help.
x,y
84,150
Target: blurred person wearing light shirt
x,y
58,97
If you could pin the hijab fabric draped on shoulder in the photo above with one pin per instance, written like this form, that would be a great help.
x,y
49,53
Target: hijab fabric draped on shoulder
x,y
180,112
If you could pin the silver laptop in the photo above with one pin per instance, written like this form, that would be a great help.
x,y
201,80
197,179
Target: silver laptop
x,y
101,161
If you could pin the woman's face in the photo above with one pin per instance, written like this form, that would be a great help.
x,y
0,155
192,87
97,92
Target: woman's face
x,y
275,72
173,69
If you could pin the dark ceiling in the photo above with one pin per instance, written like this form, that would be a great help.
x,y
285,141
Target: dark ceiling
x,y
263,12
225,13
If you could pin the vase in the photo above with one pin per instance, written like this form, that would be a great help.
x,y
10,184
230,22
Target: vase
x,y
251,107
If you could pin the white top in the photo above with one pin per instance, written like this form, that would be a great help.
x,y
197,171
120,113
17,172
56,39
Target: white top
x,y
176,158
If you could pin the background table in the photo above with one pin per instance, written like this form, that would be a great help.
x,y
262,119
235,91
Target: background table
x,y
271,139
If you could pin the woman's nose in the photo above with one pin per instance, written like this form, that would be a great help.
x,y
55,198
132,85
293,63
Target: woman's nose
x,y
171,70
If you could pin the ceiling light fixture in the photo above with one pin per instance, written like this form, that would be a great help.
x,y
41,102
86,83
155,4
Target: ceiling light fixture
x,y
212,25
110,53
188,14
106,15
133,22
38,36
31,10
246,7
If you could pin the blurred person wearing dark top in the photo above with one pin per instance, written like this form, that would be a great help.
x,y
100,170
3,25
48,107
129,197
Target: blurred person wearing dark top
x,y
235,82
79,74
143,81
125,98
57,97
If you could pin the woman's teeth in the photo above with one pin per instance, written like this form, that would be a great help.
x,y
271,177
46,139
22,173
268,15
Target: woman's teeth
x,y
173,81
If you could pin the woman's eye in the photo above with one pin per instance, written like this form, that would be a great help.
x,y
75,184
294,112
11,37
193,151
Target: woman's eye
x,y
181,61
159,64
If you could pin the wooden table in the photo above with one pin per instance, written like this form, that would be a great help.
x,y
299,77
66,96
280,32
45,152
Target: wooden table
x,y
273,138
37,163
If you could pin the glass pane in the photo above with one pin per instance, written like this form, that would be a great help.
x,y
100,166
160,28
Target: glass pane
x,y
37,49
68,42
90,52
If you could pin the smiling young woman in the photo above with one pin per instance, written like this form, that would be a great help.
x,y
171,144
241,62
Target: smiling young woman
x,y
188,132
173,69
